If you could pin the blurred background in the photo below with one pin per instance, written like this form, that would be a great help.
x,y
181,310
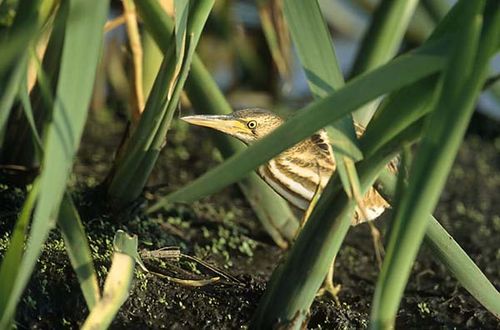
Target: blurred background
x,y
246,47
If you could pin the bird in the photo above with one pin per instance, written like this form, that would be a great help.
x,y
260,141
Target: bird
x,y
297,173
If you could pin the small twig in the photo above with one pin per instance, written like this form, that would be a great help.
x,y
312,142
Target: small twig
x,y
137,53
192,283
212,268
173,253
165,253
114,23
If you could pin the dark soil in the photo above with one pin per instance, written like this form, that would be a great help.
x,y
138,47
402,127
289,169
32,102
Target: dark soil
x,y
223,231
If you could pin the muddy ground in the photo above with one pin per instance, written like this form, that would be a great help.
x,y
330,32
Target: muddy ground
x,y
223,231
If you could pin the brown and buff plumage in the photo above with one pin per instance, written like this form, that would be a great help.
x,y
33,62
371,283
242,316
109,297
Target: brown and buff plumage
x,y
295,173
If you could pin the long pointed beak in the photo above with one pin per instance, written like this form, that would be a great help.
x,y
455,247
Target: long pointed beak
x,y
224,123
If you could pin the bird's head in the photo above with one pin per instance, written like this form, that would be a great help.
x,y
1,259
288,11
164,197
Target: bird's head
x,y
247,125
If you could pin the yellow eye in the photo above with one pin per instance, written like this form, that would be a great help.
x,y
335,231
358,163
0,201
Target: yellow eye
x,y
252,124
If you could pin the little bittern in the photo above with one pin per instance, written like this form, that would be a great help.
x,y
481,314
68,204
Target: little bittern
x,y
296,173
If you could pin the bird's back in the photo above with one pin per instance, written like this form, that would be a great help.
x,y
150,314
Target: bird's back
x,y
296,173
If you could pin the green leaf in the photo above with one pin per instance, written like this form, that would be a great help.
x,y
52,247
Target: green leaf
x,y
81,51
28,112
470,50
384,34
78,249
447,251
181,11
381,42
15,43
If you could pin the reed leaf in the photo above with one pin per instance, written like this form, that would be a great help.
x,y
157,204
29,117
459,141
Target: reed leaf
x,y
381,42
449,252
472,48
81,50
20,147
384,34
78,249
15,43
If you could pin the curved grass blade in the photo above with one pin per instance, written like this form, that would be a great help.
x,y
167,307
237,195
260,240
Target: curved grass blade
x,y
78,249
400,72
471,50
9,86
19,147
437,9
117,285
15,43
79,61
28,112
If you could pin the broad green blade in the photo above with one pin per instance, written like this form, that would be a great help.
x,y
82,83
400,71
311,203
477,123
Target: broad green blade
x,y
400,72
78,249
472,46
81,51
15,41
205,95
118,283
181,11
416,100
